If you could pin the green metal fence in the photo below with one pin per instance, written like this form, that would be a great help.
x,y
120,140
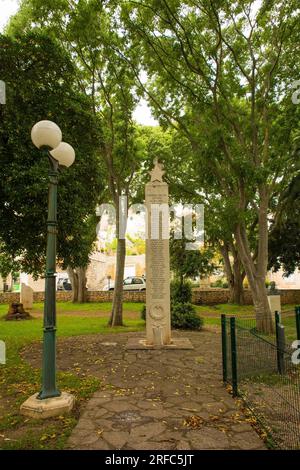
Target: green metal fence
x,y
263,371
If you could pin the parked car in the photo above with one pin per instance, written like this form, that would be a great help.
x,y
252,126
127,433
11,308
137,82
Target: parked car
x,y
67,285
134,283
63,284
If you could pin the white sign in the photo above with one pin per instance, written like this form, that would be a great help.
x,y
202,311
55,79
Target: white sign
x,y
2,92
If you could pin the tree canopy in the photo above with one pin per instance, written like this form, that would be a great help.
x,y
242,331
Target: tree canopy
x,y
219,78
40,84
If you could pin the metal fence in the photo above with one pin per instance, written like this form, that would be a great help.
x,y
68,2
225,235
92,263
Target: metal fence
x,y
264,371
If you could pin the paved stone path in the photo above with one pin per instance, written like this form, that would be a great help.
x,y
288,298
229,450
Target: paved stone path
x,y
148,398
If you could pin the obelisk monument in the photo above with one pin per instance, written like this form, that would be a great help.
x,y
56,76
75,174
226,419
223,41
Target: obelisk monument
x,y
158,312
158,317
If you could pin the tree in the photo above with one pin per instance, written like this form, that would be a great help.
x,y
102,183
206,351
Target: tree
x,y
7,264
188,264
40,84
175,151
76,260
185,187
284,246
88,30
219,232
217,73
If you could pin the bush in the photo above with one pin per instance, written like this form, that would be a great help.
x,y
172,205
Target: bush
x,y
217,283
181,293
184,316
143,313
220,283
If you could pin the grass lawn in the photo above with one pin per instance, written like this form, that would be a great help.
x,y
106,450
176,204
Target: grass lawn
x,y
211,315
234,309
18,380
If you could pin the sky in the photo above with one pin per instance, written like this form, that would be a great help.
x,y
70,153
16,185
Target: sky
x,y
142,113
7,8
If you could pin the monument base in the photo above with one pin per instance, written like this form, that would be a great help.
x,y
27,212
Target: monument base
x,y
49,407
141,343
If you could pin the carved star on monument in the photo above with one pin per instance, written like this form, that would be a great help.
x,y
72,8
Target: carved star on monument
x,y
157,172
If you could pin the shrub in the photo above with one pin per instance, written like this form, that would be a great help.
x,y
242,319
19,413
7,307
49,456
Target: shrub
x,y
184,316
181,293
217,283
143,313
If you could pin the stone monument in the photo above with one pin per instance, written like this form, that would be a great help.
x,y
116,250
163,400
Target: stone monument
x,y
26,296
158,316
274,298
158,312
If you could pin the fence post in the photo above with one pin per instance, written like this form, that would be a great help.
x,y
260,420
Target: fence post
x,y
280,343
233,357
224,347
277,322
297,313
277,318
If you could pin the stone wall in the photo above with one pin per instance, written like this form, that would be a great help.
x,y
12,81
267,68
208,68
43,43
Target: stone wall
x,y
65,296
107,296
216,296
200,296
221,296
9,297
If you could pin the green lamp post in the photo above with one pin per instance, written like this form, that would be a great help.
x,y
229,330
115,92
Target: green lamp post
x,y
47,136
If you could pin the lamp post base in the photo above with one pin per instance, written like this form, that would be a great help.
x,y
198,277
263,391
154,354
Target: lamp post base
x,y
49,407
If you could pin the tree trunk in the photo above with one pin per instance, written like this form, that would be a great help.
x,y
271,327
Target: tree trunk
x,y
237,291
264,321
256,276
77,277
82,290
234,274
238,275
74,281
116,317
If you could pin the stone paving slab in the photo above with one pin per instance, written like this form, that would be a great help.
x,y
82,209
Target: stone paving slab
x,y
149,398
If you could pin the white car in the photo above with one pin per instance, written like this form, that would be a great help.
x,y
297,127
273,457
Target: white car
x,y
63,284
135,283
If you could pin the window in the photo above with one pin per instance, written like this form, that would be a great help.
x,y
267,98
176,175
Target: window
x,y
127,281
136,280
